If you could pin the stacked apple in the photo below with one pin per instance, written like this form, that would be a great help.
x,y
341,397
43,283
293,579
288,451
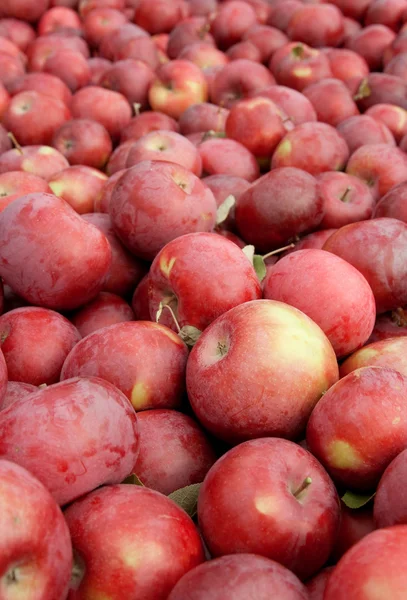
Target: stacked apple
x,y
203,299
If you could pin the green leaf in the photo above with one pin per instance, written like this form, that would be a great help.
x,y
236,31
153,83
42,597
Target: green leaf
x,y
133,480
355,501
187,498
190,335
259,266
248,251
224,209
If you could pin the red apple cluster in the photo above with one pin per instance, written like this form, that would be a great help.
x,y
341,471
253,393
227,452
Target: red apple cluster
x,y
203,299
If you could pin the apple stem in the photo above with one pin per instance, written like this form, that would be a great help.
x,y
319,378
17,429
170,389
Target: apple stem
x,y
273,252
399,317
136,107
344,197
305,484
11,576
168,307
15,143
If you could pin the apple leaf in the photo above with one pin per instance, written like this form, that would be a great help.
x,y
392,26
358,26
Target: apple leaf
x,y
248,251
224,209
355,501
190,335
187,498
259,266
133,480
363,91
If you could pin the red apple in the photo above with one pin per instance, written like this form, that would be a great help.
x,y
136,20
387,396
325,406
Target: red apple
x,y
49,255
287,509
14,391
100,22
4,100
178,84
79,186
83,142
113,42
42,161
44,83
314,240
297,65
374,567
70,460
223,186
352,8
317,25
266,39
231,21
58,17
140,300
389,325
237,80
245,50
202,7
14,184
118,158
282,11
316,586
204,55
390,502
146,122
294,104
104,310
355,525
256,394
332,101
376,248
381,88
98,66
26,10
370,43
135,350
240,576
280,205
398,66
130,77
35,342
109,108
174,451
11,69
166,146
152,543
19,32
71,67
313,147
189,31
102,203
394,203
203,117
363,130
346,199
390,353
359,426
222,156
44,46
346,64
394,117
160,16
386,12
35,544
86,6
136,201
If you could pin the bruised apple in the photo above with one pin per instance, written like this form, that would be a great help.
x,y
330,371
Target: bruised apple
x,y
49,255
127,354
259,370
88,436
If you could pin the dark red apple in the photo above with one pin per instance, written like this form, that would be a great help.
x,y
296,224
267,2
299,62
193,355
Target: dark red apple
x,y
317,25
118,158
42,161
370,43
231,21
104,310
266,39
316,586
246,50
390,502
14,391
355,525
130,77
100,22
222,156
294,104
160,16
394,203
297,65
189,31
380,166
18,31
389,325
140,300
386,12
203,117
71,67
237,80
331,100
80,186
146,122
394,117
363,130
83,142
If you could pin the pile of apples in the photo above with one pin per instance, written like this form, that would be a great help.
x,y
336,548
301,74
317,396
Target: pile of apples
x,y
203,300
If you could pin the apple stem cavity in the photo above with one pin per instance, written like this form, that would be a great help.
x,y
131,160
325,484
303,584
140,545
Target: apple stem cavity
x,y
274,252
15,142
298,51
399,317
345,195
305,484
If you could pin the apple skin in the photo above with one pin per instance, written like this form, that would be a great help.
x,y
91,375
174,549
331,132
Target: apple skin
x,y
44,83
398,46
35,343
113,43
370,43
98,66
130,77
24,10
187,32
109,108
152,542
159,16
297,65
294,104
98,446
380,166
223,186
71,67
178,85
355,525
390,352
36,556
362,244
4,102
235,519
199,288
104,310
59,260
231,21
118,158
251,400
239,79
11,69
245,50
382,88
174,451
386,12
140,301
146,122
79,186
14,184
266,39
280,205
314,240
141,194
281,13
16,390
43,161
34,117
359,426
83,142
166,146
346,64
316,586
394,117
313,147
346,199
58,17
44,46
100,22
389,325
125,270
332,101
373,566
203,117
317,25
346,314
205,56
102,203
240,577
363,130
223,156
134,351
86,6
19,32
390,501
393,204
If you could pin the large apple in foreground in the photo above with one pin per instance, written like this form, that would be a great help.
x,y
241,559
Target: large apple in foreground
x,y
259,370
270,497
35,545
130,543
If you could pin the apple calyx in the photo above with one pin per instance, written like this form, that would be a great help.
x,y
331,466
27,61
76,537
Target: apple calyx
x,y
224,209
298,51
188,334
16,145
345,195
399,317
304,485
364,90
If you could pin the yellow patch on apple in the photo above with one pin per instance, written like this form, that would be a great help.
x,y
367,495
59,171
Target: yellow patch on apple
x,y
302,72
140,395
342,455
166,265
284,149
135,556
267,505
